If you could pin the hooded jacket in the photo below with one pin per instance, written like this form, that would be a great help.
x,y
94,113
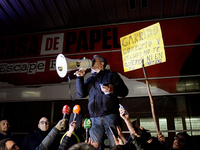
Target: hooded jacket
x,y
100,104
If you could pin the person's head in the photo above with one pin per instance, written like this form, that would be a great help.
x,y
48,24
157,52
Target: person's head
x,y
118,147
43,124
8,144
181,141
145,135
4,126
98,63
82,146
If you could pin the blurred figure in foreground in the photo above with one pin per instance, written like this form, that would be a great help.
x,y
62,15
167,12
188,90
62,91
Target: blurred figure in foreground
x,y
142,141
8,144
82,146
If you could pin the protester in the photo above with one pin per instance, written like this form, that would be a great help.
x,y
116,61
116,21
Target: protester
x,y
143,141
122,143
181,141
155,143
103,88
5,131
33,140
53,134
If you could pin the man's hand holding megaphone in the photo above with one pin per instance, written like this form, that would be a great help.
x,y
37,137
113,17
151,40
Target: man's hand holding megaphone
x,y
80,73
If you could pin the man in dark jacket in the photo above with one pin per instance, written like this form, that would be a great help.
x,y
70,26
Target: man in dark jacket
x,y
181,141
103,88
33,140
5,131
50,139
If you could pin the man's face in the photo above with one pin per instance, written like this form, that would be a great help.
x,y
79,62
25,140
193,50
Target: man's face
x,y
43,124
97,65
11,145
4,126
179,142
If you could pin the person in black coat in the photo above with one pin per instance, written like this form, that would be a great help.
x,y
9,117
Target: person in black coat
x,y
103,87
33,140
50,139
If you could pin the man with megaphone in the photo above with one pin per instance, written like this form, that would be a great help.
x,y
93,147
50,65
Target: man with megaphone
x,y
103,88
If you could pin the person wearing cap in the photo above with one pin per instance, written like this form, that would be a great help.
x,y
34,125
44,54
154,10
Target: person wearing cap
x,y
5,131
103,87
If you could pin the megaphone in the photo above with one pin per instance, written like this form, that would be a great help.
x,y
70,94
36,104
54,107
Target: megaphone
x,y
64,65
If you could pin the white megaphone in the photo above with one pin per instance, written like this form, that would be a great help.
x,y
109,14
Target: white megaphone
x,y
64,65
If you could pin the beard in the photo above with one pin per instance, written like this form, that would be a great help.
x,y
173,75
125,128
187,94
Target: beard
x,y
93,70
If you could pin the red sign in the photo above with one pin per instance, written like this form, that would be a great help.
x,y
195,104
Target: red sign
x,y
30,59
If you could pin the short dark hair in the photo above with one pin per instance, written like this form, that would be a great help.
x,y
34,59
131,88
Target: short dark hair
x,y
102,59
3,118
118,147
187,137
82,146
3,143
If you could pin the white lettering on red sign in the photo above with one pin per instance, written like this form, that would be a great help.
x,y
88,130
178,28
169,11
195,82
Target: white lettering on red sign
x,y
29,68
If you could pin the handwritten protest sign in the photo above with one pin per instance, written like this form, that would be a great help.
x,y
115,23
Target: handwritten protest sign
x,y
145,44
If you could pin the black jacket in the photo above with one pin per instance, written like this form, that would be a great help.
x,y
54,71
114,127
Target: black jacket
x,y
33,140
99,103
77,135
10,135
65,143
48,141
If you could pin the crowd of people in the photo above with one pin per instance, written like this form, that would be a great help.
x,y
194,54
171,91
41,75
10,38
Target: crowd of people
x,y
103,88
74,138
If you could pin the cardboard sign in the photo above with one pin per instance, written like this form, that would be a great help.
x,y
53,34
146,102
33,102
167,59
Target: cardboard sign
x,y
145,44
